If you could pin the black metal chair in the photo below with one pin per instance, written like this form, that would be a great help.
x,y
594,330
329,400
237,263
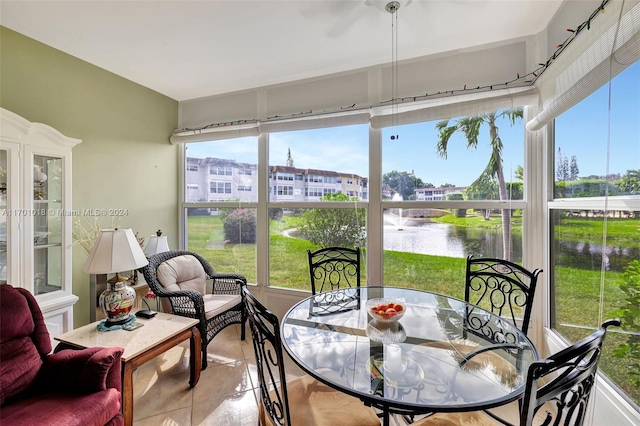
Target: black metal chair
x,y
502,287
180,279
301,401
333,268
557,389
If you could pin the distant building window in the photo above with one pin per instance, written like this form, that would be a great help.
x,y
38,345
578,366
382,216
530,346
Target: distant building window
x,y
192,167
192,186
285,190
220,171
220,187
285,176
313,192
245,172
244,188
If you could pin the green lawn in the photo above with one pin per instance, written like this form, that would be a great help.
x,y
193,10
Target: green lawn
x,y
577,290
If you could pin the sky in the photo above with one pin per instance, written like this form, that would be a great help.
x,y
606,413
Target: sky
x,y
582,131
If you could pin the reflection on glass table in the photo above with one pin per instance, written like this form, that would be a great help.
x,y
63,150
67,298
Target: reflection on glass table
x,y
438,357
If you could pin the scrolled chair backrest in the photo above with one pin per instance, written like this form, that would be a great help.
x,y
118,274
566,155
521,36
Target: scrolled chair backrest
x,y
502,287
568,377
267,345
333,268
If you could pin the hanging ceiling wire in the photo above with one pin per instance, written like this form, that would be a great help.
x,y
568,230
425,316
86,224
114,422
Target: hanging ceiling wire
x,y
392,8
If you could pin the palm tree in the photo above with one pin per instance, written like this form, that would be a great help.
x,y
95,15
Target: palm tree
x,y
470,128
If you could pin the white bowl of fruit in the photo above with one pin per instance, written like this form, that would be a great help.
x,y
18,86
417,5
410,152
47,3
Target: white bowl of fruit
x,y
385,310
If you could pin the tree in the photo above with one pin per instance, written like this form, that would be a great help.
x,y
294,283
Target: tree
x,y
573,169
289,158
334,226
519,173
562,167
470,128
403,183
629,313
630,182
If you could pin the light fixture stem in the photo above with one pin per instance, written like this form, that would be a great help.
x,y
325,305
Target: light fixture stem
x,y
392,8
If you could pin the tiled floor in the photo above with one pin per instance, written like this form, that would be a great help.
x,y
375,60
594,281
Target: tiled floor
x,y
224,396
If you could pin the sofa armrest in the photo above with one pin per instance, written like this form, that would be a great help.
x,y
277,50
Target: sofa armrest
x,y
83,371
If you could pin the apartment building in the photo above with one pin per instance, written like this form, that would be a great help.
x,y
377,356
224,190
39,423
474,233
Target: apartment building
x,y
218,179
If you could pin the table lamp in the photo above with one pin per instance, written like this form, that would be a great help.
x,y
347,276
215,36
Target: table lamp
x,y
157,244
115,251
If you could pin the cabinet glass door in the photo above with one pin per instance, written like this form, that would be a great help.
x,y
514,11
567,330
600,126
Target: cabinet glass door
x,y
4,233
47,223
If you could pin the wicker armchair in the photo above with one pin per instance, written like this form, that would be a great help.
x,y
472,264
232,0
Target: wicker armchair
x,y
180,278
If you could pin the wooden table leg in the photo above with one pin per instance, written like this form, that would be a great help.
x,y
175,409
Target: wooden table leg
x,y
127,392
195,359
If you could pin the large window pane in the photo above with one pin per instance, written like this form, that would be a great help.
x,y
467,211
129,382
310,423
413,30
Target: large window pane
x,y
222,171
416,165
315,167
578,283
595,220
219,177
310,164
446,162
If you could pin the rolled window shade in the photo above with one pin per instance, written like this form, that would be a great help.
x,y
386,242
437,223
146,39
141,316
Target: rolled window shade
x,y
453,106
215,134
316,121
593,68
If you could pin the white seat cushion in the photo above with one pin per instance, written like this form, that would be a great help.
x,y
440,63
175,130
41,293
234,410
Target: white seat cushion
x,y
215,304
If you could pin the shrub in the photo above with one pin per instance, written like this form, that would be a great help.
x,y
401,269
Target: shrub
x,y
334,227
240,226
629,315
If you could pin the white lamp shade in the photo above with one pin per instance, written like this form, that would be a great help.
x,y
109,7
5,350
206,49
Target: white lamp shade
x,y
116,250
156,244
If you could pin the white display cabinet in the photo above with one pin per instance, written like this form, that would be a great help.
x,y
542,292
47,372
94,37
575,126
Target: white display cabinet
x,y
36,215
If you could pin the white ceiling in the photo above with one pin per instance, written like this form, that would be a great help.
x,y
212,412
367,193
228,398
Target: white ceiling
x,y
193,49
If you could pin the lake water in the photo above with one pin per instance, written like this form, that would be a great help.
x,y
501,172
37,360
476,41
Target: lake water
x,y
438,239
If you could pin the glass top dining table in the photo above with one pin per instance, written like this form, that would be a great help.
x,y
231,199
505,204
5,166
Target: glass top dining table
x,y
442,355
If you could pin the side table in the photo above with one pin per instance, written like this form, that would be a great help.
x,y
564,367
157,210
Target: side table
x,y
159,334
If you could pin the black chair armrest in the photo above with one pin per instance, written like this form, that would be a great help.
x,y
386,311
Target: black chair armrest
x,y
185,302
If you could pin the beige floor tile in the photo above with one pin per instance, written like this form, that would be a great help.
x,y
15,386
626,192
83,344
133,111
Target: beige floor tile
x,y
247,347
224,351
161,394
222,380
173,361
233,410
225,394
181,417
231,332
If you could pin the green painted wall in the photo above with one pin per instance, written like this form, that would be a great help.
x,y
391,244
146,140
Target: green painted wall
x,y
125,160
